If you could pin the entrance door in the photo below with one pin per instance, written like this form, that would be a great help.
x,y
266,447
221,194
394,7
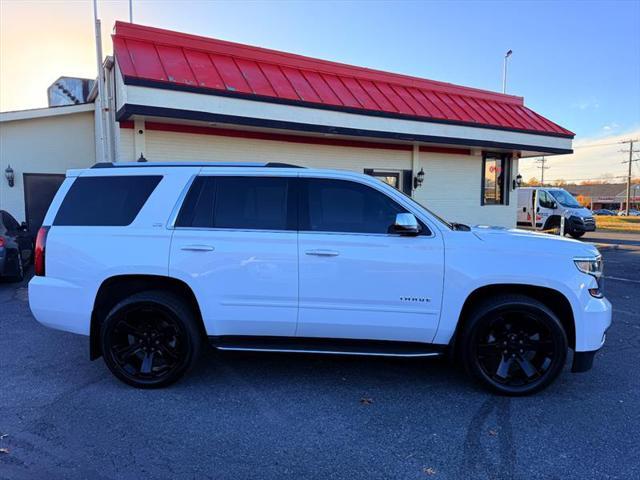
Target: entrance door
x,y
358,281
39,190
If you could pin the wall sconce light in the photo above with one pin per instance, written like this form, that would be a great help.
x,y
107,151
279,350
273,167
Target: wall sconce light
x,y
9,175
517,182
418,179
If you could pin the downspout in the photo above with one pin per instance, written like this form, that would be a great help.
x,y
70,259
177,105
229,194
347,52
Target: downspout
x,y
415,160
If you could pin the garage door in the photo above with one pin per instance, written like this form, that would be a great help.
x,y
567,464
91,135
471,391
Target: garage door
x,y
39,190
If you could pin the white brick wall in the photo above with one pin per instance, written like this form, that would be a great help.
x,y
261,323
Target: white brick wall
x,y
43,145
451,187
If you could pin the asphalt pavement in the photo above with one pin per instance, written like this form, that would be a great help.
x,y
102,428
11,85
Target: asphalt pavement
x,y
276,416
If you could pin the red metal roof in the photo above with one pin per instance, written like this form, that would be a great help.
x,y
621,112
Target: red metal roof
x,y
164,58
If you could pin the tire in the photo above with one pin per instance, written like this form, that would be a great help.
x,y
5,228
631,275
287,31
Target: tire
x,y
514,345
19,276
150,339
577,235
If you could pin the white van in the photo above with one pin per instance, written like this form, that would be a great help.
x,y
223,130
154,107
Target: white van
x,y
541,208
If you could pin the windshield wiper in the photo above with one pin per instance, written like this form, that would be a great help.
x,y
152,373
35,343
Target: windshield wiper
x,y
460,227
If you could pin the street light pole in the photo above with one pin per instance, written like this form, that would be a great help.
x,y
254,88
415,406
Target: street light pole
x,y
504,71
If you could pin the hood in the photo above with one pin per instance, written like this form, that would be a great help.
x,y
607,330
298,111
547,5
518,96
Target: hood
x,y
577,212
533,242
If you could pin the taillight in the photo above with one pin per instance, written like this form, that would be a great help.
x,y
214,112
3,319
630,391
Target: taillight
x,y
38,257
2,241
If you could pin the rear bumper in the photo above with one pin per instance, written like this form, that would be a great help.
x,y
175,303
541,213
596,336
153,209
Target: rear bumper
x,y
59,304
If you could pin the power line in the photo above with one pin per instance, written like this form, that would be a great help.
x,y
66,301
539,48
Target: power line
x,y
611,177
596,145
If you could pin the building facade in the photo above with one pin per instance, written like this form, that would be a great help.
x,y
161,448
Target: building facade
x,y
171,96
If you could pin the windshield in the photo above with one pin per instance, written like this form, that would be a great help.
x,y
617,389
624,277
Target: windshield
x,y
419,205
565,198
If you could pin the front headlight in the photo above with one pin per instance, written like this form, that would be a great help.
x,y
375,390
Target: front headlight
x,y
594,267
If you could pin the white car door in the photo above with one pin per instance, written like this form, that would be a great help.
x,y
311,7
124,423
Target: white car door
x,y
356,280
544,209
235,245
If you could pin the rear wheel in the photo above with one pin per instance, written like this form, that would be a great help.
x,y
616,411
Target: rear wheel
x,y
19,275
514,345
150,339
576,234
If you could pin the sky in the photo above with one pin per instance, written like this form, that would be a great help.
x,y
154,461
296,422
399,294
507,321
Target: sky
x,y
575,62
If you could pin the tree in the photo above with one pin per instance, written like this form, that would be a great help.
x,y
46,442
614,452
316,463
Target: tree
x,y
560,183
584,200
532,182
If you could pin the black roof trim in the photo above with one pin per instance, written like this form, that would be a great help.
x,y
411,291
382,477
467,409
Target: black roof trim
x,y
129,109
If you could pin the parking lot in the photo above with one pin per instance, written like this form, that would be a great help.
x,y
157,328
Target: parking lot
x,y
241,416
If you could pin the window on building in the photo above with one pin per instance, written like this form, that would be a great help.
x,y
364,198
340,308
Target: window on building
x,y
246,203
495,179
344,206
399,179
105,201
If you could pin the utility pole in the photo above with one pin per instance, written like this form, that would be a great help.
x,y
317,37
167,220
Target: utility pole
x,y
542,161
630,162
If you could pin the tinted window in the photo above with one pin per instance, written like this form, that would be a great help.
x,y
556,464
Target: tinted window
x,y
105,201
261,203
343,206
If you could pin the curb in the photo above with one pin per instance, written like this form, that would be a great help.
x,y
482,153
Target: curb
x,y
614,246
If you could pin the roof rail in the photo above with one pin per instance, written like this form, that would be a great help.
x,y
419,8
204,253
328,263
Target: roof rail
x,y
192,164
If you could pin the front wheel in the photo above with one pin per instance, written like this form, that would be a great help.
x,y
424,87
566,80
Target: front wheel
x,y
514,345
576,235
150,339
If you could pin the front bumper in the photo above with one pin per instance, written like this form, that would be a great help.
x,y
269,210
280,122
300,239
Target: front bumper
x,y
580,225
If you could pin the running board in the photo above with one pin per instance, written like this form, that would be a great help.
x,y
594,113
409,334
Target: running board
x,y
330,346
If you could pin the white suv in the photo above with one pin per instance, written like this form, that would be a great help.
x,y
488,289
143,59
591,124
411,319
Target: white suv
x,y
153,260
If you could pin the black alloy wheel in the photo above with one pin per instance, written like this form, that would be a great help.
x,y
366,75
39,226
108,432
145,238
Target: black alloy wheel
x,y
150,339
515,345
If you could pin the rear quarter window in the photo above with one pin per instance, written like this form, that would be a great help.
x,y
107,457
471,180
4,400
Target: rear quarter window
x,y
105,201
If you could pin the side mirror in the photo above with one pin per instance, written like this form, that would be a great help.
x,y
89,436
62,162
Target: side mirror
x,y
405,224
553,205
24,227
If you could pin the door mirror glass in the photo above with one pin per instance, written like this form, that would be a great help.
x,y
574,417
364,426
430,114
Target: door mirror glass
x,y
405,224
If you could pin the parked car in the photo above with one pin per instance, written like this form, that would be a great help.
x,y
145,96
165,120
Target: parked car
x,y
16,247
542,208
632,213
604,212
151,261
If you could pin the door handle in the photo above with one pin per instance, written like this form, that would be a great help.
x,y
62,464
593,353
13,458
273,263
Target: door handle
x,y
198,248
322,253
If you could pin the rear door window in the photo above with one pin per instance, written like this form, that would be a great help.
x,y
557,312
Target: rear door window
x,y
243,203
105,201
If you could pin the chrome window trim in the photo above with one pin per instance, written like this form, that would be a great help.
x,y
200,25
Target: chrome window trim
x,y
219,229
